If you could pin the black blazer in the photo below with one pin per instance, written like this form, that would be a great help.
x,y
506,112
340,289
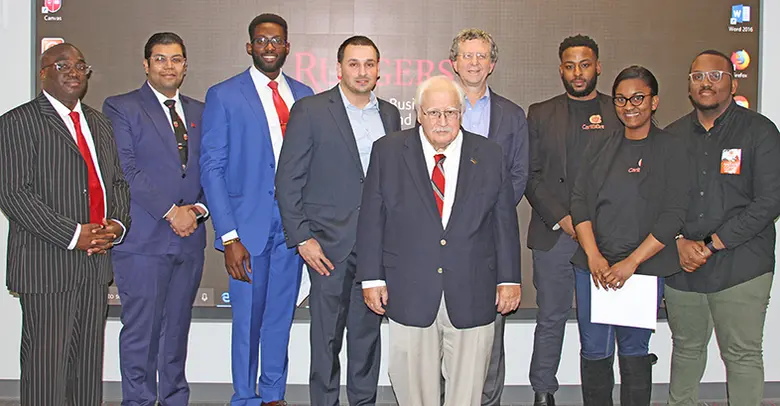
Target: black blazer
x,y
665,188
401,239
43,191
547,190
319,180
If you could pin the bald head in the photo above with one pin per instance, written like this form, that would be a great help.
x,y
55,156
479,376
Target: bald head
x,y
64,73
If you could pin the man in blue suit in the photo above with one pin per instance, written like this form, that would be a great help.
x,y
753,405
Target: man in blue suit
x,y
243,128
158,267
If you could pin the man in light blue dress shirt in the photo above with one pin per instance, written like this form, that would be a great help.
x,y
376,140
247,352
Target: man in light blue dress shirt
x,y
319,185
474,55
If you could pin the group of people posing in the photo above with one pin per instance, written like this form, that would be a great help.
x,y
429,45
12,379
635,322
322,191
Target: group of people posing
x,y
419,225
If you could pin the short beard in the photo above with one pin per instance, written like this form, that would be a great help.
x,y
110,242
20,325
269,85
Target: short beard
x,y
703,107
589,87
265,67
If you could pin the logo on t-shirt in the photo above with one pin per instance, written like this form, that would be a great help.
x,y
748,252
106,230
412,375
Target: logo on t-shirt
x,y
638,167
594,123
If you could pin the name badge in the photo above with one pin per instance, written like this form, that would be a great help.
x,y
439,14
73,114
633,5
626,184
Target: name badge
x,y
731,161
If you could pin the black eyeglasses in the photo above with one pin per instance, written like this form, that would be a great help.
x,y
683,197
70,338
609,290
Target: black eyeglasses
x,y
635,100
65,66
277,42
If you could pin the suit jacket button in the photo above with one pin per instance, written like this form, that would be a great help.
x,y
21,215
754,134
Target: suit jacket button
x,y
183,175
560,180
84,191
361,180
440,270
443,242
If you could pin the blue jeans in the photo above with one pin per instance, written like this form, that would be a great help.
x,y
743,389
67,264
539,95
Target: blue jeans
x,y
597,341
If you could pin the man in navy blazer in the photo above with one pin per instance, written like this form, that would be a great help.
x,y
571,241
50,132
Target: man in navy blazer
x,y
438,246
244,123
158,268
474,54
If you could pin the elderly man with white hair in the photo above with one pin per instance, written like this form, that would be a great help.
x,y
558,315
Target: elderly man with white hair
x,y
438,249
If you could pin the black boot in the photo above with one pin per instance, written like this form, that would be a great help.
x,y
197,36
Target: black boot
x,y
636,379
544,399
597,381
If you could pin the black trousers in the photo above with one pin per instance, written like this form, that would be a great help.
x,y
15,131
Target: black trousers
x,y
62,347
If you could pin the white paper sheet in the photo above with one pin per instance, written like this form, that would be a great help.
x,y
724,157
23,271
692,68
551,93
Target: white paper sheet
x,y
303,292
633,305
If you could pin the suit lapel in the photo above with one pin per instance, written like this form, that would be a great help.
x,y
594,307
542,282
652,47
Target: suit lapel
x,y
193,132
611,121
339,113
468,164
253,101
415,161
97,138
560,122
385,117
161,121
496,113
56,123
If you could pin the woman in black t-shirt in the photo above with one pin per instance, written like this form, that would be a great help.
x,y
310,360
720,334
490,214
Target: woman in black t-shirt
x,y
627,205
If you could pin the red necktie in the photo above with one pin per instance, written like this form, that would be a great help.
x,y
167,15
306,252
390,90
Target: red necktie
x,y
96,205
281,107
437,181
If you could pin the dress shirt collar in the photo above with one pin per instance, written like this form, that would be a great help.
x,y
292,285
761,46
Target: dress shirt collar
x,y
373,102
61,109
261,80
162,98
452,151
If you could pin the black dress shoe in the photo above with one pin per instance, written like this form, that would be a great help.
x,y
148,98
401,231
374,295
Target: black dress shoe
x,y
544,399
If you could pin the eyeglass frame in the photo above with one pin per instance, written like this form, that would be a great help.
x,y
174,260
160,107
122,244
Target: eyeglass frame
x,y
707,75
628,100
165,59
59,68
264,41
436,115
468,56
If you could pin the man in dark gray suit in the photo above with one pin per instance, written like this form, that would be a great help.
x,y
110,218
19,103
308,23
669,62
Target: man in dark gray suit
x,y
319,183
439,249
474,54
559,129
67,202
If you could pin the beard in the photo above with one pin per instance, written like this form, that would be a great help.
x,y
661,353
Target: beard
x,y
267,67
590,86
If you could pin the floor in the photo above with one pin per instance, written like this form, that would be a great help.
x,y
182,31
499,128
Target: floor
x,y
765,403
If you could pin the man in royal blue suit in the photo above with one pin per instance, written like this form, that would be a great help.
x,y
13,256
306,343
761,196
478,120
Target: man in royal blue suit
x,y
158,268
243,128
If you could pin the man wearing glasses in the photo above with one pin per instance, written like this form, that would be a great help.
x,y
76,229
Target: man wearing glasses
x,y
63,191
432,256
158,267
244,124
474,55
319,184
559,130
727,244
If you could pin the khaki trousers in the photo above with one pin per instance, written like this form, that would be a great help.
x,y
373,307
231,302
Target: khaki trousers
x,y
419,356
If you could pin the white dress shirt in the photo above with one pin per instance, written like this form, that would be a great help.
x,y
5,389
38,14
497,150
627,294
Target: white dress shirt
x,y
451,166
64,113
261,81
180,111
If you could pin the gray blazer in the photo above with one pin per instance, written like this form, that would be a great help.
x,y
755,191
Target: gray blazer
x,y
43,192
319,180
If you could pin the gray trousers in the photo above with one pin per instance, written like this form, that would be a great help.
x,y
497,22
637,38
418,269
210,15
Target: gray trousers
x,y
737,315
554,283
336,303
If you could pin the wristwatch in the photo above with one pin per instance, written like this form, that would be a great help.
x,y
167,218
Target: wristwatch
x,y
709,244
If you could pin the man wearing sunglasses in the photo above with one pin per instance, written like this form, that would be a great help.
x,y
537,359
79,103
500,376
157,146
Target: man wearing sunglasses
x,y
63,191
158,267
244,124
727,244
